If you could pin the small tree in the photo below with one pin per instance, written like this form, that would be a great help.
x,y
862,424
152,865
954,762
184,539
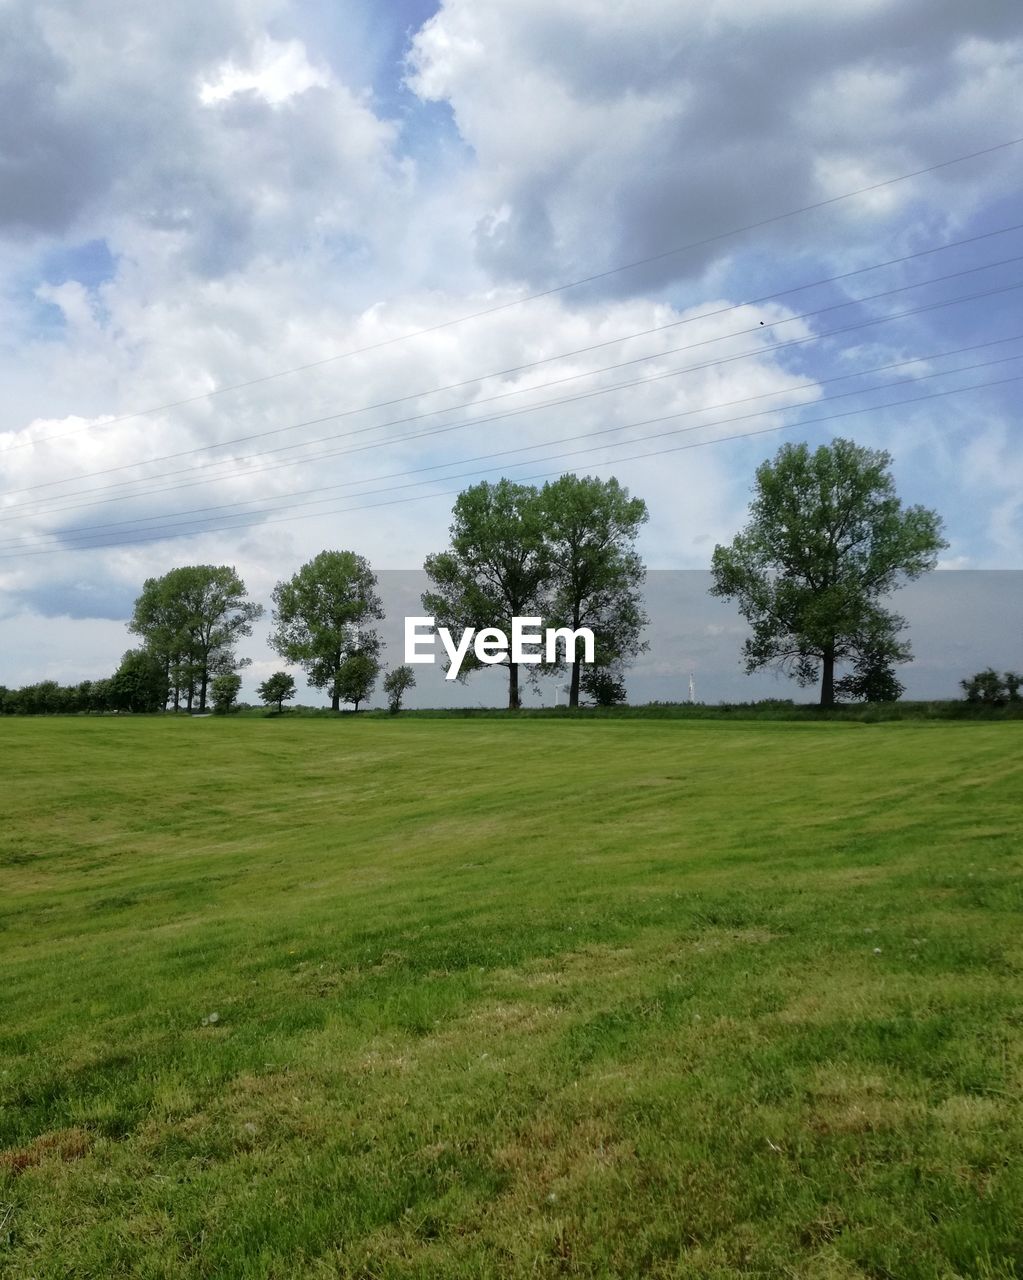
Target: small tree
x,y
225,692
396,683
355,678
991,689
277,689
876,650
603,685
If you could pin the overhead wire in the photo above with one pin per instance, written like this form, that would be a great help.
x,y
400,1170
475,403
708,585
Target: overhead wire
x,y
234,463
534,364
174,517
716,238
162,535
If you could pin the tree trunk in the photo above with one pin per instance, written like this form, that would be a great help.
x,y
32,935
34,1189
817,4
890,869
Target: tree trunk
x,y
513,686
828,677
573,688
202,688
335,701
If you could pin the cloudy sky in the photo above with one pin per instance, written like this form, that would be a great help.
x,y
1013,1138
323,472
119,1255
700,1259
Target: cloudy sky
x,y
277,277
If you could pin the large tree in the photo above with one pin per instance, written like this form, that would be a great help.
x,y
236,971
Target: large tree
x,y
191,619
323,615
591,527
497,568
828,539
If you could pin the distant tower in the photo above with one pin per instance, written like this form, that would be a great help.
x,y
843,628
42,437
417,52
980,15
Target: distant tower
x,y
692,688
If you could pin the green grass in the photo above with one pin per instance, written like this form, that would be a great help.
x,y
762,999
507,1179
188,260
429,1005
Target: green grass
x,y
510,998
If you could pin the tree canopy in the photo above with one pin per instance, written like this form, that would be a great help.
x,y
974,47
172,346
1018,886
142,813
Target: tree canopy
x,y
323,615
396,683
277,689
564,554
191,619
497,568
356,677
591,527
828,539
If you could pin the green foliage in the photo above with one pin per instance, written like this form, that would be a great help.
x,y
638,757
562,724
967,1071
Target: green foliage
x,y
591,526
565,554
875,651
991,689
139,683
396,684
322,617
827,540
604,686
50,698
277,689
225,690
356,677
498,566
191,619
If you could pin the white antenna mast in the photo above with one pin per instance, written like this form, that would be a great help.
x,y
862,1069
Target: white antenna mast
x,y
692,688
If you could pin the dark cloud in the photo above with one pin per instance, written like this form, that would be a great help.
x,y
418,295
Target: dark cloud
x,y
102,124
686,121
80,598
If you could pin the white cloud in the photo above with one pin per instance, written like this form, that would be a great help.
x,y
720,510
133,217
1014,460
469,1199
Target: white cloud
x,y
261,213
277,71
605,135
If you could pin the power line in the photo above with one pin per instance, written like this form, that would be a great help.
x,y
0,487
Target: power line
x,y
757,329
533,364
173,520
610,430
572,284
16,511
162,537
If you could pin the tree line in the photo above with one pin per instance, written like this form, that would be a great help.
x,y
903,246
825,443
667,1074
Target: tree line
x,y
826,543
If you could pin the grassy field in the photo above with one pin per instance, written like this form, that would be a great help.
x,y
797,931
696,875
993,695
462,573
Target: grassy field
x,y
372,998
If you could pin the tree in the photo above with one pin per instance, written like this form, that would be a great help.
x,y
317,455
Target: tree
x,y
191,618
396,683
827,539
991,689
101,695
875,652
356,677
321,617
604,685
591,527
139,683
498,566
225,689
278,688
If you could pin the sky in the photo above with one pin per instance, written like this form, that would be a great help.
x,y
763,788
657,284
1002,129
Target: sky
x,y
281,277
